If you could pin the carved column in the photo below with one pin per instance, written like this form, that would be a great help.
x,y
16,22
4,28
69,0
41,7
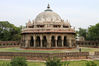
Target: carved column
x,y
23,40
41,41
62,41
29,43
48,41
26,43
34,41
56,41
70,43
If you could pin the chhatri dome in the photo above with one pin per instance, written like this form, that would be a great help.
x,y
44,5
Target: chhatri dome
x,y
48,16
48,30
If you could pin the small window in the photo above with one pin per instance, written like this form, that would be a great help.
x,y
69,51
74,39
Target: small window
x,y
56,26
65,26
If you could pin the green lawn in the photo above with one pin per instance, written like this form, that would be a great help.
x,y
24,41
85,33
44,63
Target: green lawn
x,y
4,62
81,63
72,63
36,64
16,49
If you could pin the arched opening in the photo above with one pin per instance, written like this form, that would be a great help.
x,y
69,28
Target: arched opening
x,y
65,41
38,41
59,41
31,42
52,41
44,42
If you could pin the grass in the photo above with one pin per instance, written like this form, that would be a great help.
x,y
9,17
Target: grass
x,y
36,63
17,49
72,63
89,49
81,63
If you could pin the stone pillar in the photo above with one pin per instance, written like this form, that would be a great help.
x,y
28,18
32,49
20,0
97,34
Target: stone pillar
x,y
23,42
26,43
41,41
28,39
48,41
62,41
75,45
70,43
56,41
34,41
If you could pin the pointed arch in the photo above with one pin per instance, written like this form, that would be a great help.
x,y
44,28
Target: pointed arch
x,y
59,41
31,42
52,41
44,41
38,41
65,41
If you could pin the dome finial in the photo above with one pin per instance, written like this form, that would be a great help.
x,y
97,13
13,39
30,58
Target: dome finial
x,y
48,6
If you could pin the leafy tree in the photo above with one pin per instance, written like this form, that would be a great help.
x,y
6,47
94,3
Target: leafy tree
x,y
18,61
82,32
9,32
53,62
91,63
93,32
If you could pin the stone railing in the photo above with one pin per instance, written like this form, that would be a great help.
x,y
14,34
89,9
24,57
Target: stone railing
x,y
9,43
88,43
97,53
44,56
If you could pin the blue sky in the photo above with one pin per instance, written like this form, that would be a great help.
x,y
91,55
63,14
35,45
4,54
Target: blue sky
x,y
80,13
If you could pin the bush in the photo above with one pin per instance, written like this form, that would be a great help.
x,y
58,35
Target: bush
x,y
66,63
91,63
18,61
5,64
53,62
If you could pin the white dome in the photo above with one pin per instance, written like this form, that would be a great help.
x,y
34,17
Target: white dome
x,y
48,16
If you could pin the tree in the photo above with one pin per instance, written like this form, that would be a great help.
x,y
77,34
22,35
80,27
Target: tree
x,y
93,32
82,32
91,63
53,62
9,32
18,61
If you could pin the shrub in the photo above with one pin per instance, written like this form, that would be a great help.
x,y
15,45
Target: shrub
x,y
66,63
18,61
53,62
91,63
